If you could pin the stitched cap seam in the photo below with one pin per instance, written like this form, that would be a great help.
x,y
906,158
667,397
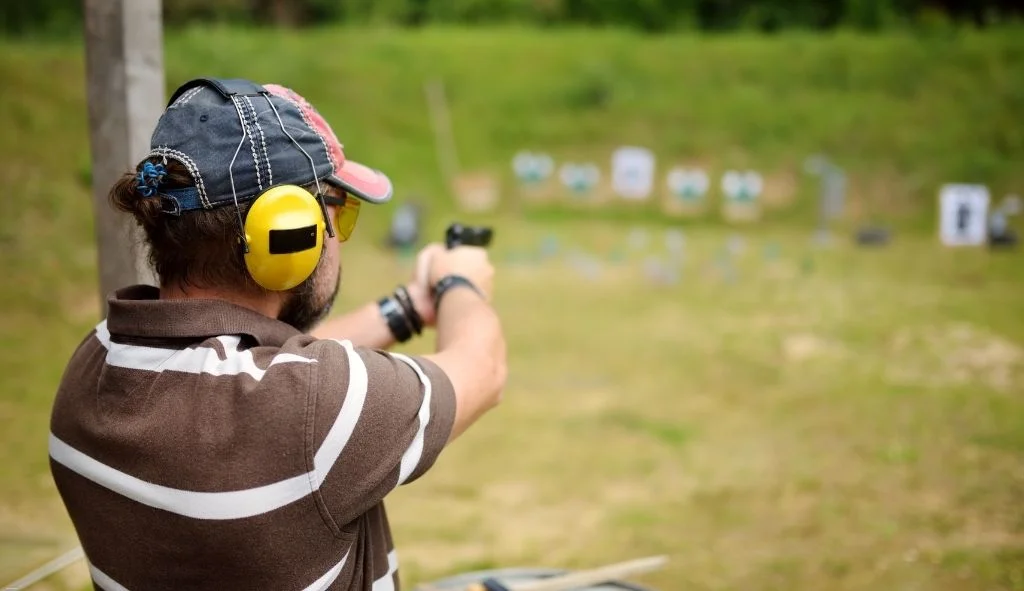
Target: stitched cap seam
x,y
190,165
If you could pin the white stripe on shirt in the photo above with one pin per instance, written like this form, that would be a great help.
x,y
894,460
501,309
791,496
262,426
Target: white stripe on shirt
x,y
412,455
348,416
330,576
197,360
387,582
199,505
105,582
238,503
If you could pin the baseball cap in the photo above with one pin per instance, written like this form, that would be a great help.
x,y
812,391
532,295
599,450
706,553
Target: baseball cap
x,y
238,138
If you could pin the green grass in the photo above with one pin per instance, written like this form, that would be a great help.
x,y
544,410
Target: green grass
x,y
855,427
832,419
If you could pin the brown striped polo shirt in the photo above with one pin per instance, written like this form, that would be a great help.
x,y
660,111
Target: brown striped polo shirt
x,y
201,445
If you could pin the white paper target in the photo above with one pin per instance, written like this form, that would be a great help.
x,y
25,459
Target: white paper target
x,y
633,172
688,183
742,186
963,214
532,167
579,178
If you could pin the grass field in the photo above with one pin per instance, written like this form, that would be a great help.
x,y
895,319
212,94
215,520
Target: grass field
x,y
830,419
855,423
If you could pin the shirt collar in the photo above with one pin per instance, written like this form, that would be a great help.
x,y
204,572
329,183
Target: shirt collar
x,y
138,311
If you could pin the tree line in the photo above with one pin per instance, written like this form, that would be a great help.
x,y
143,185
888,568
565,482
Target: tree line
x,y
21,17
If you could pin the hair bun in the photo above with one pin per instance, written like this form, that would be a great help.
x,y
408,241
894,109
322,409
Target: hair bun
x,y
136,193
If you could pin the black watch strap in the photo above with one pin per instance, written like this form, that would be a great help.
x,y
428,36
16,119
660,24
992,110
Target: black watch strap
x,y
396,319
449,282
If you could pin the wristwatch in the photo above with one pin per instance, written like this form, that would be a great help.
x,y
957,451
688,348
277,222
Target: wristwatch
x,y
451,281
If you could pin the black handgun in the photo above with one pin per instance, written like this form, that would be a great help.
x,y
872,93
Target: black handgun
x,y
460,235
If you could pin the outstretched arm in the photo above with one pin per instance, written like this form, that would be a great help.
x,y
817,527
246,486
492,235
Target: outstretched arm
x,y
366,326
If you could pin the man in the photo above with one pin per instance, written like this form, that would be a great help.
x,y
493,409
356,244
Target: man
x,y
202,437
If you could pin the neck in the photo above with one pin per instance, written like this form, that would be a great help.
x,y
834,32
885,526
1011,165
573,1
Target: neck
x,y
268,304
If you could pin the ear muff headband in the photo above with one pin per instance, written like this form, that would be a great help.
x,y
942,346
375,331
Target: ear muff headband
x,y
284,230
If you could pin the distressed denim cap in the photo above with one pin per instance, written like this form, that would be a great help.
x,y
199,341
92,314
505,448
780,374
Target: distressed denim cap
x,y
237,139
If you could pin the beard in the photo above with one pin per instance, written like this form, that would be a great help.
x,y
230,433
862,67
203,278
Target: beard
x,y
308,304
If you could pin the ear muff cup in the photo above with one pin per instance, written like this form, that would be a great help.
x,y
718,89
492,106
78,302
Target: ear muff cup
x,y
284,231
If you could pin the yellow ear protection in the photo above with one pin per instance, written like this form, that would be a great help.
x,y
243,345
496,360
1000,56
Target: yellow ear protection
x,y
283,231
284,234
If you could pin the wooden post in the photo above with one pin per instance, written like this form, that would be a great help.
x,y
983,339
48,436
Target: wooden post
x,y
125,83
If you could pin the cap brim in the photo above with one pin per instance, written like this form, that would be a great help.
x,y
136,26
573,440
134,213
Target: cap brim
x,y
362,181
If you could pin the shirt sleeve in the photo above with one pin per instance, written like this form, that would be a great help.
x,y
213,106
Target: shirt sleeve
x,y
377,420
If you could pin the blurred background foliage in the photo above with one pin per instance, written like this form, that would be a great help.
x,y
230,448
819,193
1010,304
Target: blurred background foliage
x,y
62,16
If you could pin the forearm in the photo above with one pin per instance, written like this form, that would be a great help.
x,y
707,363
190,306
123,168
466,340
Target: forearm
x,y
364,327
471,351
467,323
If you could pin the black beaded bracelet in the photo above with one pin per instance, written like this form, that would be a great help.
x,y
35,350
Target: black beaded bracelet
x,y
415,320
395,316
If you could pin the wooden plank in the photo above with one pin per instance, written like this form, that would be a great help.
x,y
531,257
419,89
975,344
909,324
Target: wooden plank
x,y
441,120
595,576
57,564
126,94
576,580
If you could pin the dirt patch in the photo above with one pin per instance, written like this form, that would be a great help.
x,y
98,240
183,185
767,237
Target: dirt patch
x,y
780,189
802,347
509,495
955,354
